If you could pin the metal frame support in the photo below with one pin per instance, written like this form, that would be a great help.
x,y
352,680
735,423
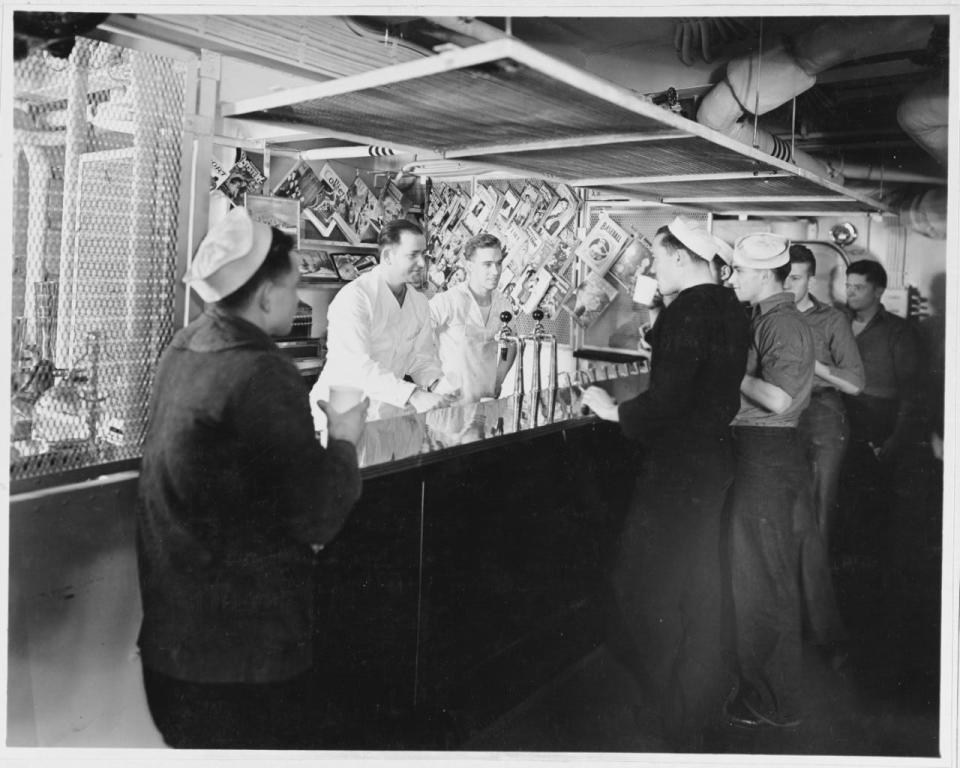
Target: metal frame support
x,y
201,99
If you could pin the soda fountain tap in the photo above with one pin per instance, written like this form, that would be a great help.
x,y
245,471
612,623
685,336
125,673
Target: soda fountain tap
x,y
538,337
505,337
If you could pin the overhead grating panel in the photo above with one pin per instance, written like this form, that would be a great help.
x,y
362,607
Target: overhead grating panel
x,y
506,105
658,157
727,188
480,105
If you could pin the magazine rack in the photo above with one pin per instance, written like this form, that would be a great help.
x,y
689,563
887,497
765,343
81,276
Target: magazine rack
x,y
507,106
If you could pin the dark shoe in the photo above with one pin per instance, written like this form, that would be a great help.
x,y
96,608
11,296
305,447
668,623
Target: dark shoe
x,y
775,720
739,715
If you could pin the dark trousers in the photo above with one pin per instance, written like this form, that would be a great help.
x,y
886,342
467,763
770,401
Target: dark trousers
x,y
665,610
280,715
764,555
823,434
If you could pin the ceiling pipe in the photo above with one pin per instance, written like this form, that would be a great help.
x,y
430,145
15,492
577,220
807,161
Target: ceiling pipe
x,y
758,85
878,173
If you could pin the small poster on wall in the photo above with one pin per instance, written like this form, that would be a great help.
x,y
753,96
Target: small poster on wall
x,y
603,243
561,214
316,265
636,259
552,300
590,299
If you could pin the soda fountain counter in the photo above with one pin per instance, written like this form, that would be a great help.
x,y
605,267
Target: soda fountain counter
x,y
468,574
465,578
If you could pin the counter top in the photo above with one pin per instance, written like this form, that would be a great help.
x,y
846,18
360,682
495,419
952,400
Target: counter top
x,y
417,439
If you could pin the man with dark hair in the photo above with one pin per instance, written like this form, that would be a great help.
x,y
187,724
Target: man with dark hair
x,y
665,614
379,335
235,491
466,319
771,476
884,418
824,434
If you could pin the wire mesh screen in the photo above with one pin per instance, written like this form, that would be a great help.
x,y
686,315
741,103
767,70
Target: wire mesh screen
x,y
98,141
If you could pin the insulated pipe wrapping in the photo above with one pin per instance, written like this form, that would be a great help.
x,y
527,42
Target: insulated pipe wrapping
x,y
778,79
924,115
755,85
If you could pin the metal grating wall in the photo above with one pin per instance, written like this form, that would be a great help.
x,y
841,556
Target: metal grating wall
x,y
98,141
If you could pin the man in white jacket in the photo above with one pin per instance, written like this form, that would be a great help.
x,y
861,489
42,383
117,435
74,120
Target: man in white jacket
x,y
466,318
379,330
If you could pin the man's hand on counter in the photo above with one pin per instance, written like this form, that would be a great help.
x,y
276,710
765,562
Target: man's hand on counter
x,y
347,425
422,401
598,401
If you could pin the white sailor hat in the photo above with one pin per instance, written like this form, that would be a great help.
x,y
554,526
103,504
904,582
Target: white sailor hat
x,y
694,236
723,250
761,250
231,252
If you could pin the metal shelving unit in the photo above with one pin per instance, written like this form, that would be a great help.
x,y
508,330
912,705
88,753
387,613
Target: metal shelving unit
x,y
505,105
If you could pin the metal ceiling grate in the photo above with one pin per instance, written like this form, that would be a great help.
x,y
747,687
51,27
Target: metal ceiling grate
x,y
506,104
656,157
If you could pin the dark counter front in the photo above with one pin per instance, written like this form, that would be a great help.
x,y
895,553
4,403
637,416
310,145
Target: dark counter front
x,y
468,574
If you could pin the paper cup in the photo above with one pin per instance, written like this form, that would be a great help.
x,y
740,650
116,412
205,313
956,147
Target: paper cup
x,y
644,290
343,398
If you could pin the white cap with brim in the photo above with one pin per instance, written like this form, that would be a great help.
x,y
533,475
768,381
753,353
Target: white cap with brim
x,y
723,250
761,250
229,255
694,237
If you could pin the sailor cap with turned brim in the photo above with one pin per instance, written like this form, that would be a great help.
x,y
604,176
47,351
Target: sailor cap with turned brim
x,y
761,250
694,236
231,252
723,250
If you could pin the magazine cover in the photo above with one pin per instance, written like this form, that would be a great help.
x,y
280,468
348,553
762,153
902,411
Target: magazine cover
x,y
603,243
523,286
546,200
538,291
636,259
557,291
364,211
390,202
559,256
508,202
561,214
316,265
280,212
242,178
339,197
591,297
352,265
479,210
529,198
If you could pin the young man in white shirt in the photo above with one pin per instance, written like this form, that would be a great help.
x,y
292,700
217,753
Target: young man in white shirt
x,y
466,319
379,331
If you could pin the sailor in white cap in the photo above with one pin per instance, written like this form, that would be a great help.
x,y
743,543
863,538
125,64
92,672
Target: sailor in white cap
x,y
234,491
772,475
666,578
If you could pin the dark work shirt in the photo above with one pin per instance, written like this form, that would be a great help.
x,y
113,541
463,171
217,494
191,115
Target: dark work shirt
x,y
699,353
890,353
889,403
834,344
781,353
234,488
